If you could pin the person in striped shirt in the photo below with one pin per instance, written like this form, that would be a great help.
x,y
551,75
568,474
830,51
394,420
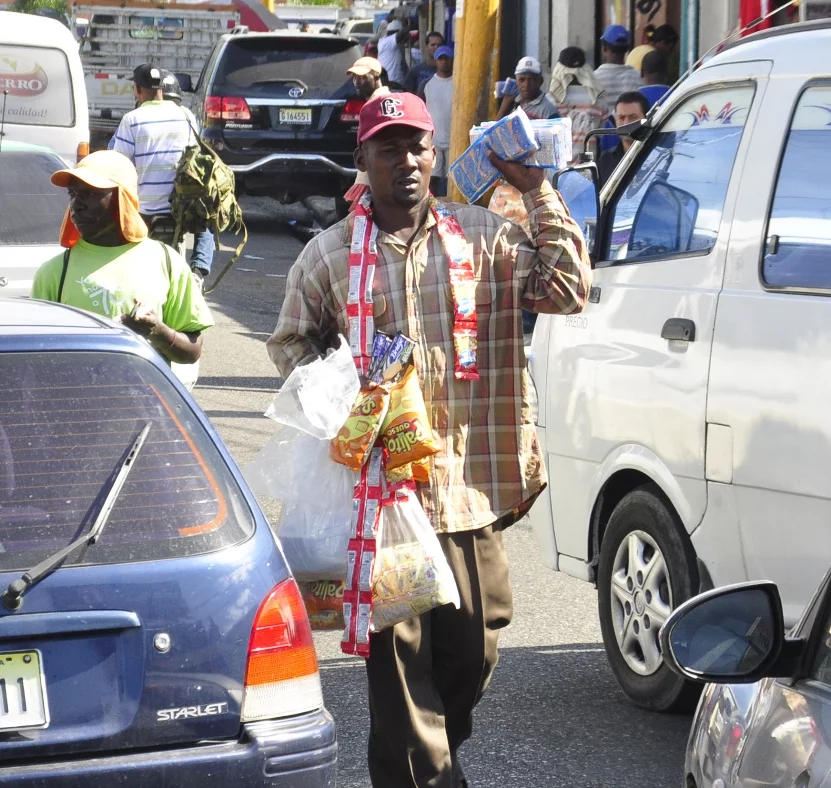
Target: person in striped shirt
x,y
153,136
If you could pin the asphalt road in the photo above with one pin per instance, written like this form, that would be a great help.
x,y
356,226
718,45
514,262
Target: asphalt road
x,y
553,715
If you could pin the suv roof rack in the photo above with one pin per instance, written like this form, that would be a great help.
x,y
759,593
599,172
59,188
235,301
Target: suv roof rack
x,y
239,30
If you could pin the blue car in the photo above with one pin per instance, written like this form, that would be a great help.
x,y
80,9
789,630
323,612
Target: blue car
x,y
151,633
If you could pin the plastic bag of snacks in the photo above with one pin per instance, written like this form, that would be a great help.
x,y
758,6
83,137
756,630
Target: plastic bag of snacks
x,y
506,201
410,575
406,431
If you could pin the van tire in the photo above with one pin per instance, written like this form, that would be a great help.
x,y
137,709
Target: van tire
x,y
656,534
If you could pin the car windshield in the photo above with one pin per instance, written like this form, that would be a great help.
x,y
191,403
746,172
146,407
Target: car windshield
x,y
31,208
269,67
66,421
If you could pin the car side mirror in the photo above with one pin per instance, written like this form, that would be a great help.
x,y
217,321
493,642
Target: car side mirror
x,y
664,223
185,82
732,635
578,186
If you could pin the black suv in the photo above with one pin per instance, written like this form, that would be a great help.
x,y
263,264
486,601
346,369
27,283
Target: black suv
x,y
280,109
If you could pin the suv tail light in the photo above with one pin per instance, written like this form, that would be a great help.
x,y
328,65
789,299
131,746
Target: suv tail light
x,y
352,110
281,678
81,151
227,108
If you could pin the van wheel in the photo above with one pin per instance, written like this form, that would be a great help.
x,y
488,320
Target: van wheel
x,y
647,568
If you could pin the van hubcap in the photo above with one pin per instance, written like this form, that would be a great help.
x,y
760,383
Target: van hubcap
x,y
641,601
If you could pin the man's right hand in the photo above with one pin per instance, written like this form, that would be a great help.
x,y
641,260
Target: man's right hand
x,y
523,179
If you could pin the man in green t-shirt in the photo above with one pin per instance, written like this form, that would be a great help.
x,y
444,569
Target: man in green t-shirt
x,y
112,268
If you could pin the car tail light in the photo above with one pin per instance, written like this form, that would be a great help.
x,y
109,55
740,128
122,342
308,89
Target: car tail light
x,y
352,110
213,107
81,151
235,109
281,678
227,108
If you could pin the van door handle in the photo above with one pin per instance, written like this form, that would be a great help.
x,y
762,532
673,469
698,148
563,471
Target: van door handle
x,y
679,329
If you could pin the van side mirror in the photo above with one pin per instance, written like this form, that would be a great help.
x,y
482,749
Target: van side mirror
x,y
732,635
185,82
578,186
664,223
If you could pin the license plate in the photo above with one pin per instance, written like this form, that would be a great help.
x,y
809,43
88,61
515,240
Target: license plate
x,y
22,691
297,116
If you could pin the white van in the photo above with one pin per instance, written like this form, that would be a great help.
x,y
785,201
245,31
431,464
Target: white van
x,y
686,414
46,102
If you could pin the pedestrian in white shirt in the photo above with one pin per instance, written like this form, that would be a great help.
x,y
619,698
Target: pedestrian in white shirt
x,y
391,52
614,76
438,94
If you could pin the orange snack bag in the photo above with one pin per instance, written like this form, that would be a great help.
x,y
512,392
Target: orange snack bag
x,y
324,603
406,432
350,447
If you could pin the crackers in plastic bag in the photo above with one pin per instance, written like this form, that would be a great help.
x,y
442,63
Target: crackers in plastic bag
x,y
410,575
352,444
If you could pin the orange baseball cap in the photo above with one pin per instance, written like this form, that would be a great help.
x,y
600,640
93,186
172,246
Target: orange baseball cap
x,y
364,66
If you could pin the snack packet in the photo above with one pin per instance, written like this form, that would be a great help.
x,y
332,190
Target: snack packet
x,y
324,603
406,432
352,444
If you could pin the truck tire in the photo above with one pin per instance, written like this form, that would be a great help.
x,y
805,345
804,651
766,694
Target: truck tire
x,y
647,568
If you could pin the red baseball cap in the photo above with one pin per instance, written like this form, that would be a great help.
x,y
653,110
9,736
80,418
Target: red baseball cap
x,y
394,109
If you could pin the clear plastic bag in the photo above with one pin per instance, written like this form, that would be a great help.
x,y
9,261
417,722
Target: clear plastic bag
x,y
411,574
294,468
316,398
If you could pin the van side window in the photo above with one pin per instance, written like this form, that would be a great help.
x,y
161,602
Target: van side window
x,y
799,228
673,201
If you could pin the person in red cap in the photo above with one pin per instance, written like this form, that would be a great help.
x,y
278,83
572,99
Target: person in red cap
x,y
454,279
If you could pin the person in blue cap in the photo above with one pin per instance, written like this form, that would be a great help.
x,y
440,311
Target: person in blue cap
x,y
614,76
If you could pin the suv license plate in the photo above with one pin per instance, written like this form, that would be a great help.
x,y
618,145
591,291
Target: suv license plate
x,y
22,691
297,116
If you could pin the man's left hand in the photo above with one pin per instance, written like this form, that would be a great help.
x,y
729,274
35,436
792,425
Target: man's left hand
x,y
523,179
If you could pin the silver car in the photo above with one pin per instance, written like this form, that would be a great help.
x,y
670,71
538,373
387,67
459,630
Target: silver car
x,y
765,720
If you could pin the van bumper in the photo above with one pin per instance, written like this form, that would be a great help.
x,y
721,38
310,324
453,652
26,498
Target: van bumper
x,y
300,752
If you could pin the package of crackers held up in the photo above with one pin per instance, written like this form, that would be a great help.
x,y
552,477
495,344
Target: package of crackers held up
x,y
553,138
511,139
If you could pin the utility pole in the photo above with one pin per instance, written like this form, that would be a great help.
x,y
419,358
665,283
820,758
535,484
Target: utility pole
x,y
475,66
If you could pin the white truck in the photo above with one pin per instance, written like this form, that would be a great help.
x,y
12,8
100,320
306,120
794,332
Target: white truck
x,y
114,39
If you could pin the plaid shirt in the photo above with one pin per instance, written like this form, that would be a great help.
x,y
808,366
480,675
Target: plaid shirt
x,y
490,463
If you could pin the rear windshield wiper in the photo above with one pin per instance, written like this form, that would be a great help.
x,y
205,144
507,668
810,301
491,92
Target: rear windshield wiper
x,y
12,597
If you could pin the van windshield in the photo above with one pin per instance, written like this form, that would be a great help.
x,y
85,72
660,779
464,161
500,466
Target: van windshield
x,y
39,86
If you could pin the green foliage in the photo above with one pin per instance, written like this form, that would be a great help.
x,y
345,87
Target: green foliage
x,y
60,7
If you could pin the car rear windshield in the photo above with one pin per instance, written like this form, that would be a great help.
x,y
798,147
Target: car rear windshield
x,y
31,208
67,419
270,67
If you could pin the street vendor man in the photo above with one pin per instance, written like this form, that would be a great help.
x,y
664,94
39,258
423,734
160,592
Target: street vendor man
x,y
427,674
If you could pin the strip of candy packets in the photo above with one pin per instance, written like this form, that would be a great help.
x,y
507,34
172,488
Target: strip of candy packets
x,y
536,143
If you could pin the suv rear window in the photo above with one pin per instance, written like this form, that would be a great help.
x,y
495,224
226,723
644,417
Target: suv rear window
x,y
270,66
67,419
31,207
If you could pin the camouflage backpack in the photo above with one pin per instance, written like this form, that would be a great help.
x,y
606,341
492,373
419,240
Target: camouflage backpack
x,y
203,197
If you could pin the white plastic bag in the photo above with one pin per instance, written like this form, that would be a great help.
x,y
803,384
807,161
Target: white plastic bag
x,y
411,574
316,398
